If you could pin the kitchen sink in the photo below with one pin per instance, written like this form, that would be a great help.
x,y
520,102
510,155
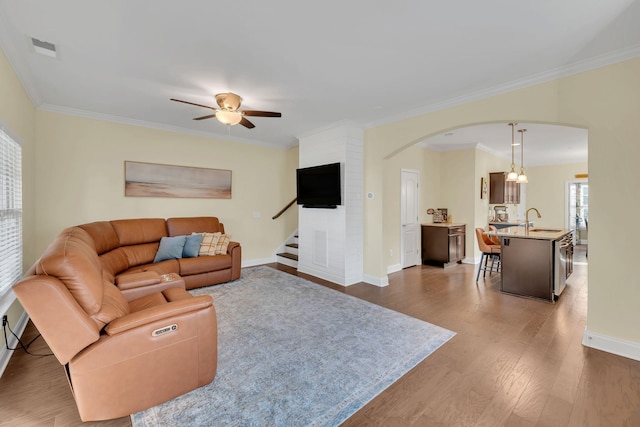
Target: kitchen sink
x,y
545,230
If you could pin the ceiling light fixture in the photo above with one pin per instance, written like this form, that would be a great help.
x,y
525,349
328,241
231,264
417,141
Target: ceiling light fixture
x,y
513,175
229,117
522,178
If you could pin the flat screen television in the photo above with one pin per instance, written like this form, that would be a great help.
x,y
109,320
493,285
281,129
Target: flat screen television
x,y
319,186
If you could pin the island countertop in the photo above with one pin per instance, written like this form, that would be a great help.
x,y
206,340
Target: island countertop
x,y
534,233
442,224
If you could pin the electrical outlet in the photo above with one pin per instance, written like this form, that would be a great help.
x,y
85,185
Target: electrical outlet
x,y
5,320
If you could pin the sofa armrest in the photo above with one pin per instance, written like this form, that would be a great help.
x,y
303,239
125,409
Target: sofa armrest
x,y
64,325
136,280
138,289
153,314
235,250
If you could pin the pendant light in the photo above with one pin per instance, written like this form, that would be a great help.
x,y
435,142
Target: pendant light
x,y
522,178
513,175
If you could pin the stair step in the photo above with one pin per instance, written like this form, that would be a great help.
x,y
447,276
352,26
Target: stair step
x,y
292,245
289,256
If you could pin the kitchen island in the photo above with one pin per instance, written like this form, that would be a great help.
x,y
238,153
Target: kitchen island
x,y
536,261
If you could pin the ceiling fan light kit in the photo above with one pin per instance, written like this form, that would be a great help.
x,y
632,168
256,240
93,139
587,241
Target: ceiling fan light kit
x,y
228,117
228,112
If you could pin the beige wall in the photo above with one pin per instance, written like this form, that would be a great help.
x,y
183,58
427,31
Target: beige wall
x,y
546,191
486,163
427,163
451,180
606,101
80,178
19,116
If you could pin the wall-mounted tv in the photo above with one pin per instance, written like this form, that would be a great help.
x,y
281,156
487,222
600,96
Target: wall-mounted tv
x,y
319,186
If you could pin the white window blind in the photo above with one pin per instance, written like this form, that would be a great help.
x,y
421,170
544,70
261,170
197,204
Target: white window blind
x,y
10,212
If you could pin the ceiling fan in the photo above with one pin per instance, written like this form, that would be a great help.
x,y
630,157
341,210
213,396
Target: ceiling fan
x,y
229,112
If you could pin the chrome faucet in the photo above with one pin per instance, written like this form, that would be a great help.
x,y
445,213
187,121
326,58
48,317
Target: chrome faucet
x,y
526,218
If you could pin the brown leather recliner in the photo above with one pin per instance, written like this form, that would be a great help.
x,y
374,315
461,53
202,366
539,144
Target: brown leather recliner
x,y
120,356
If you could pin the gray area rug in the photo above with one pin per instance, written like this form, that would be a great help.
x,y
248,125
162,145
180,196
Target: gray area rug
x,y
294,353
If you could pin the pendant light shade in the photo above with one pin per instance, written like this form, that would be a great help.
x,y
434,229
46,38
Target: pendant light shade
x,y
512,175
229,117
522,178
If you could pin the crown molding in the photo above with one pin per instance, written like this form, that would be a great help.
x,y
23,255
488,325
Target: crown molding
x,y
610,58
328,127
151,125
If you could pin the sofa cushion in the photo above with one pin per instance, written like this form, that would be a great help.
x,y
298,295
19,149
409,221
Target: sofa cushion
x,y
170,248
182,226
141,254
152,300
192,246
162,267
209,243
72,258
223,243
114,306
104,236
137,231
113,262
203,264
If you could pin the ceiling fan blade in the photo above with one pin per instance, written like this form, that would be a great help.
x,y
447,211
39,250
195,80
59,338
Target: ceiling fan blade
x,y
192,103
205,117
261,113
246,123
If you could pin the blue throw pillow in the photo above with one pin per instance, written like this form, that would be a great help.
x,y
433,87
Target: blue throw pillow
x,y
192,246
170,248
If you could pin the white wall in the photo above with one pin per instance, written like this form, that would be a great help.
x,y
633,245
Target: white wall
x,y
330,240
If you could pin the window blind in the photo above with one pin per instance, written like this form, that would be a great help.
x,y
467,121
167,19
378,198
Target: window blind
x,y
10,212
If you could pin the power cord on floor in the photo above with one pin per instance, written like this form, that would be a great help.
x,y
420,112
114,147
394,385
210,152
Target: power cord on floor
x,y
5,326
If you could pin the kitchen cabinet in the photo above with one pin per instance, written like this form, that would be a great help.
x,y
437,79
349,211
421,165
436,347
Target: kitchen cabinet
x,y
443,244
535,264
503,191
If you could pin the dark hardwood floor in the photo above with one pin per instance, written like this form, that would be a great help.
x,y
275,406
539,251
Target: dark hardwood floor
x,y
513,362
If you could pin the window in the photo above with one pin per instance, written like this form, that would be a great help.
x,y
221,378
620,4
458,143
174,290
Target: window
x,y
10,212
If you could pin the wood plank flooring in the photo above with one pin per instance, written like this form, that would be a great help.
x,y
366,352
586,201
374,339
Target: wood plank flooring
x,y
513,362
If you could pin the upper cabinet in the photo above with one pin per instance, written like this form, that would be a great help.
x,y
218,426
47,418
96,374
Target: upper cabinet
x,y
502,191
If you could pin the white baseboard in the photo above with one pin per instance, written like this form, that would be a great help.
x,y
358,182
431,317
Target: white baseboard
x,y
609,344
254,262
5,355
376,281
393,268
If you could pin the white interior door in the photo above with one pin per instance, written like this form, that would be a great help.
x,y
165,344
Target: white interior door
x,y
410,236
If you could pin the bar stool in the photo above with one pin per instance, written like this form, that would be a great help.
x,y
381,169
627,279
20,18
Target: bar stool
x,y
489,250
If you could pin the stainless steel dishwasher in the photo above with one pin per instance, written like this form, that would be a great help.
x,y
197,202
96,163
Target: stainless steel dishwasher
x,y
527,267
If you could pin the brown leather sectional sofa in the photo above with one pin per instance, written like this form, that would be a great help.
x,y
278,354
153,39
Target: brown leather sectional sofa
x,y
129,246
126,330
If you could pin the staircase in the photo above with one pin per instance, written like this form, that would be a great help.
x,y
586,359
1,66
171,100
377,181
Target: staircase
x,y
290,255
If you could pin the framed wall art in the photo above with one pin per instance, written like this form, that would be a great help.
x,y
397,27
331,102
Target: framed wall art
x,y
483,188
157,180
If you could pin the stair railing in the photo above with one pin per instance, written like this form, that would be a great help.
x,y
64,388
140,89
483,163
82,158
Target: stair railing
x,y
283,210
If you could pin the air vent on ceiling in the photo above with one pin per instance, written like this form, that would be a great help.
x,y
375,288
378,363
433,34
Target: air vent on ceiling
x,y
44,48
